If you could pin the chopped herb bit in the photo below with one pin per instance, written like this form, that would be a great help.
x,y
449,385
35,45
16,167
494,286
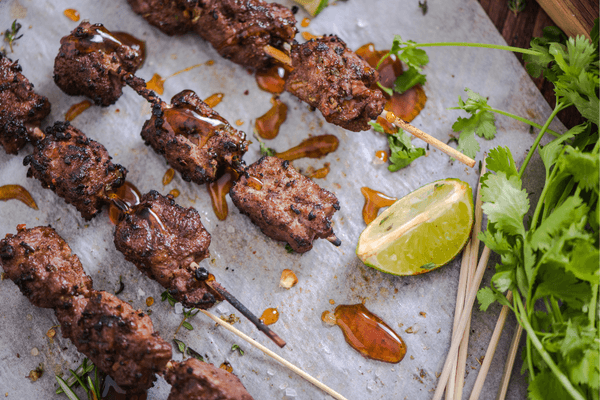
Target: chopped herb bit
x,y
10,35
82,376
195,354
238,348
180,345
424,7
516,6
264,150
289,249
166,296
428,266
414,58
37,373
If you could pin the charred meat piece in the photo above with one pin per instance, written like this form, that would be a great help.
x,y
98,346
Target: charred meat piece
x,y
21,109
92,62
196,380
194,139
329,76
162,239
173,17
119,340
284,204
78,169
239,29
40,262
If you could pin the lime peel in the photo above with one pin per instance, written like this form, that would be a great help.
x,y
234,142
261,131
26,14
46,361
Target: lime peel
x,y
313,7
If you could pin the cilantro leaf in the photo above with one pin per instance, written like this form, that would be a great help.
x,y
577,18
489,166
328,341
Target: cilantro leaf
x,y
572,210
500,159
545,386
481,122
486,297
505,202
408,79
403,152
413,57
583,166
266,151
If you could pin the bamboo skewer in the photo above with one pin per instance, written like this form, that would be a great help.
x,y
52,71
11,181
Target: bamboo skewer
x,y
276,357
390,117
510,362
489,354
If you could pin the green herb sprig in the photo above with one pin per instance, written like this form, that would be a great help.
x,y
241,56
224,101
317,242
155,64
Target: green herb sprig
x,y
12,35
403,152
81,376
186,350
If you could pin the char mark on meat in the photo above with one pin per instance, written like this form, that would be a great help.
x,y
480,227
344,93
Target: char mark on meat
x,y
195,380
194,139
332,78
42,265
93,62
21,109
173,17
285,204
163,239
119,340
77,168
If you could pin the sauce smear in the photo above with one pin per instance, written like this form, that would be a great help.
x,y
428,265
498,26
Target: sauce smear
x,y
77,109
157,82
309,36
320,173
374,201
214,99
226,366
313,147
367,333
128,196
268,125
17,192
273,79
381,155
270,316
133,42
218,190
72,14
175,193
168,176
305,22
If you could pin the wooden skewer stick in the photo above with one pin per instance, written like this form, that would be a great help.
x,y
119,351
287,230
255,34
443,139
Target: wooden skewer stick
x,y
510,362
489,354
245,312
452,152
276,357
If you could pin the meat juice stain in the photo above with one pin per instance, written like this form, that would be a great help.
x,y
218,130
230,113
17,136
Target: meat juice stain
x,y
305,22
320,173
270,316
226,366
77,109
367,333
255,183
17,192
72,14
267,126
308,36
382,155
187,122
406,105
157,82
273,79
214,99
313,147
218,190
127,194
374,201
168,176
175,193
106,41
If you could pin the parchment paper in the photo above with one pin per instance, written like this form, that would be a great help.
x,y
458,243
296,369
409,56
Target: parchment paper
x,y
244,260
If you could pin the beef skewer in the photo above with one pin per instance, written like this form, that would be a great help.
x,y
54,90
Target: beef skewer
x,y
120,341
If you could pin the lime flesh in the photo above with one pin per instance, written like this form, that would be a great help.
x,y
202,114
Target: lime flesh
x,y
313,7
420,232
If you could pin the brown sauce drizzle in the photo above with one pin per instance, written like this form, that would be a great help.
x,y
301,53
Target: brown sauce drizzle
x,y
270,316
406,105
17,192
157,82
320,173
153,220
374,201
382,155
186,121
214,99
175,193
127,194
72,14
168,176
367,333
267,126
305,22
273,79
313,147
136,44
255,183
309,36
226,366
77,109
218,190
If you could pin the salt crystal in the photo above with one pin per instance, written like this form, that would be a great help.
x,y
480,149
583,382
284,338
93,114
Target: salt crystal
x,y
178,308
35,352
270,373
361,23
290,392
141,294
371,385
283,386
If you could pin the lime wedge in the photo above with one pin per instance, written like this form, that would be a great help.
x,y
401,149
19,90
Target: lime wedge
x,y
313,7
420,232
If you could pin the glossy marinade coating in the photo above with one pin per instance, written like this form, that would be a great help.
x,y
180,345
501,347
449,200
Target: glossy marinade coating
x,y
285,204
332,78
93,62
173,17
119,340
194,139
42,265
21,109
196,380
77,168
162,239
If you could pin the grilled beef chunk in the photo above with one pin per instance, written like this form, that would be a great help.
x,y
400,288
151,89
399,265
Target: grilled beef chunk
x,y
21,109
162,239
329,76
284,204
119,340
92,62
239,29
173,17
194,139
196,380
40,262
78,169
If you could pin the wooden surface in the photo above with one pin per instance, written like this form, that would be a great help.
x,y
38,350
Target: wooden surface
x,y
574,17
518,29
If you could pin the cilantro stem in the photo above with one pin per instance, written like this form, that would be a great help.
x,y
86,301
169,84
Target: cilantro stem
x,y
543,353
525,120
481,45
540,203
593,303
559,106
